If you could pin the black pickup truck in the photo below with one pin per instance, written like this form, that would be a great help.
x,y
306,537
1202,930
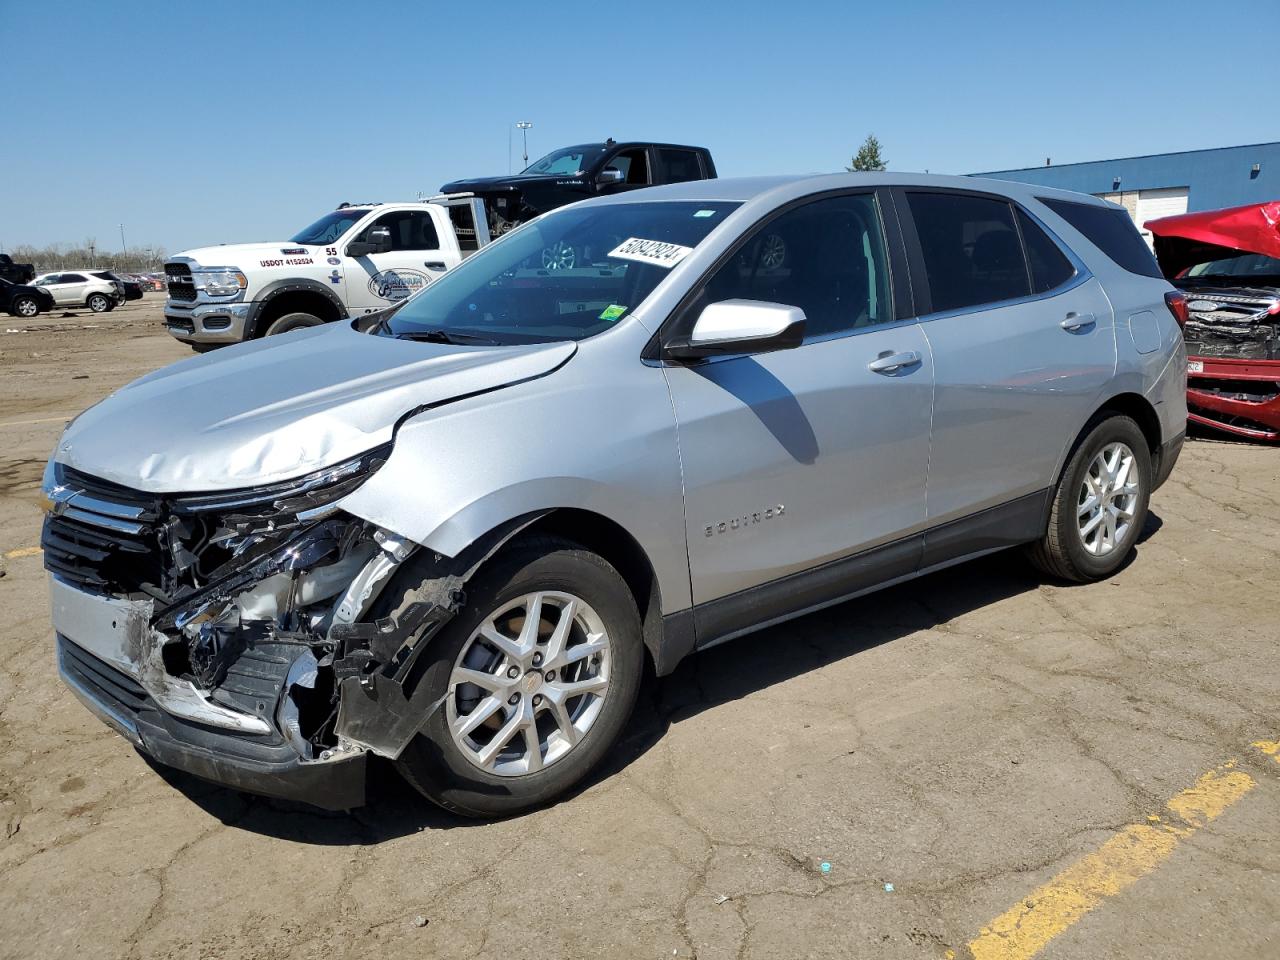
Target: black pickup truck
x,y
15,272
578,172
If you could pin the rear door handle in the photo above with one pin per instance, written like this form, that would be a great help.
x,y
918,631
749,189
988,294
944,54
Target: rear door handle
x,y
894,362
1077,321
434,264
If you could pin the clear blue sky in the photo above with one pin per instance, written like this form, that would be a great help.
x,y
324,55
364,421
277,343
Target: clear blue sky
x,y
205,123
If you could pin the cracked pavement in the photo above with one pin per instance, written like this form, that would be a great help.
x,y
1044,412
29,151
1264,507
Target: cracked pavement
x,y
962,738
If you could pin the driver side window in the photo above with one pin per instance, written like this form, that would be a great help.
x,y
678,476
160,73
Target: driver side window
x,y
633,165
410,230
826,257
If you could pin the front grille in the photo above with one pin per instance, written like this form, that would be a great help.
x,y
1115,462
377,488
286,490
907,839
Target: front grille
x,y
106,537
181,286
1232,325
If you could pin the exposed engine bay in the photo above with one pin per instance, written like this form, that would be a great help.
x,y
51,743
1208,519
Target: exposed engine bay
x,y
1227,262
252,606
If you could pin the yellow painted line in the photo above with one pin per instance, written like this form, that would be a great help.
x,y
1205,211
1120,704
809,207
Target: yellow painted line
x,y
27,423
1131,854
1270,747
23,552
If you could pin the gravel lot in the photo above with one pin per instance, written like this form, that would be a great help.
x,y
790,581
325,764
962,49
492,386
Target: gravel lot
x,y
963,739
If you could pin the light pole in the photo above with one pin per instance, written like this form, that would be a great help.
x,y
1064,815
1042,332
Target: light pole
x,y
524,126
123,248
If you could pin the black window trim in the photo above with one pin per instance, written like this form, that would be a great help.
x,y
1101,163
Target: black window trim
x,y
920,279
678,323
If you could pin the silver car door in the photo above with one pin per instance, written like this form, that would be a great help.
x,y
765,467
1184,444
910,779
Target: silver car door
x,y
803,458
1022,345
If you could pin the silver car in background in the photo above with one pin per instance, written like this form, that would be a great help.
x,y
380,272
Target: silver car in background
x,y
458,536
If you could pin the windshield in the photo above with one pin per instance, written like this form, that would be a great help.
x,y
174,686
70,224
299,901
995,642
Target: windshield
x,y
568,162
1242,268
567,276
329,227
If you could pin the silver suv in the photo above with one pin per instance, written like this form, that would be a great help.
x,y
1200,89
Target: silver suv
x,y
458,536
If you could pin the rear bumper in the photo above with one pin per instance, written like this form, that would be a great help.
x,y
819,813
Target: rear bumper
x,y
264,765
1214,396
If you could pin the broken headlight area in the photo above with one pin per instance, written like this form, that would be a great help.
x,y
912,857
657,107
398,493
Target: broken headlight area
x,y
255,597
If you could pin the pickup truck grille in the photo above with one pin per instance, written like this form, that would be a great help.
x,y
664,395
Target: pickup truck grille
x,y
181,286
106,538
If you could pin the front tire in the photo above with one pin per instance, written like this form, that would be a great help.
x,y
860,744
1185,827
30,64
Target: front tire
x,y
98,303
292,321
1099,506
529,708
25,307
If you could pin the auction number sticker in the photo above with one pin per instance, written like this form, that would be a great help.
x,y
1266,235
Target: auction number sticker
x,y
1195,366
656,252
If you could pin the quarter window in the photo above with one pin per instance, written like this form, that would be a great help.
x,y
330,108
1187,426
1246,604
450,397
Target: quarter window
x,y
826,257
1111,231
680,165
1049,265
971,250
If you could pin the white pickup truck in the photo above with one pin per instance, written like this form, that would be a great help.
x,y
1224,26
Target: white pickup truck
x,y
358,259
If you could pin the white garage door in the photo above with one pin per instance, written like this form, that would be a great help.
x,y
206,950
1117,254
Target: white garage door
x,y
1153,204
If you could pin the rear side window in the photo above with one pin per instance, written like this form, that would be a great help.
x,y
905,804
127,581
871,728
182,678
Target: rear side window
x,y
1112,232
1049,265
72,278
972,254
680,165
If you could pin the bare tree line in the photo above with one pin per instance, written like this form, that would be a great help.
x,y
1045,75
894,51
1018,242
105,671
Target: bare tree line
x,y
71,256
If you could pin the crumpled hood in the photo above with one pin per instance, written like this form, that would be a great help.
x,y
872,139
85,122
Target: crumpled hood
x,y
1191,238
273,409
247,256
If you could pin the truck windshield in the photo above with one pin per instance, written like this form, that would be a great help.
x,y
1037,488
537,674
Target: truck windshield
x,y
329,227
568,162
567,276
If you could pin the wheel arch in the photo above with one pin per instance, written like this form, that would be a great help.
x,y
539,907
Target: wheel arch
x,y
1133,405
284,296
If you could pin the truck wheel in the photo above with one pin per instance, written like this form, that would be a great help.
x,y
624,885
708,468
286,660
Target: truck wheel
x,y
292,321
1099,506
98,303
24,307
538,675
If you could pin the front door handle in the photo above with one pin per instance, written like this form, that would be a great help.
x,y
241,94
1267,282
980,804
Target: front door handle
x,y
1077,321
894,362
434,264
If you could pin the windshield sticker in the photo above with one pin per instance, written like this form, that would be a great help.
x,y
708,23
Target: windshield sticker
x,y
705,213
612,312
657,252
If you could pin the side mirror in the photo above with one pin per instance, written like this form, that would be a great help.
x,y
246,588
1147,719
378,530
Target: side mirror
x,y
740,326
379,241
609,175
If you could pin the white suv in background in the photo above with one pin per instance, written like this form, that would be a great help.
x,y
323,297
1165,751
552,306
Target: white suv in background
x,y
82,288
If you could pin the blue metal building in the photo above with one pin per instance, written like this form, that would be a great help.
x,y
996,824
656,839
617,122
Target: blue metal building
x,y
1165,184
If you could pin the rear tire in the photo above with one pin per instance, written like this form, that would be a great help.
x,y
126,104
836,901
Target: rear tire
x,y
292,321
98,303
448,767
25,307
1094,498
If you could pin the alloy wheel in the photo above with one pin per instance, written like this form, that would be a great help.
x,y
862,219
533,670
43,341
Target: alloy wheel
x,y
559,256
1108,499
27,308
529,683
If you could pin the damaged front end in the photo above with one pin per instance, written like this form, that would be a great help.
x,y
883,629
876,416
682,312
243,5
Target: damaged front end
x,y
1227,263
228,634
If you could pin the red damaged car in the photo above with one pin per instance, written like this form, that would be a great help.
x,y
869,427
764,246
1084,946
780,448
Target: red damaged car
x,y
1227,262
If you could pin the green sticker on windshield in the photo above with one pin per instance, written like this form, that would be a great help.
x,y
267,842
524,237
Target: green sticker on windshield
x,y
705,213
612,312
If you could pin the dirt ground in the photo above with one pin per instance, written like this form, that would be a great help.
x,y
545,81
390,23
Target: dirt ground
x,y
947,747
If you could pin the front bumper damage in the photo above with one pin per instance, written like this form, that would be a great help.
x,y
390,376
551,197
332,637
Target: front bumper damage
x,y
249,656
1236,396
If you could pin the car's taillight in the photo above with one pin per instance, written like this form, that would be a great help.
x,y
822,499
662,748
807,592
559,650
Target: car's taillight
x,y
1177,304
